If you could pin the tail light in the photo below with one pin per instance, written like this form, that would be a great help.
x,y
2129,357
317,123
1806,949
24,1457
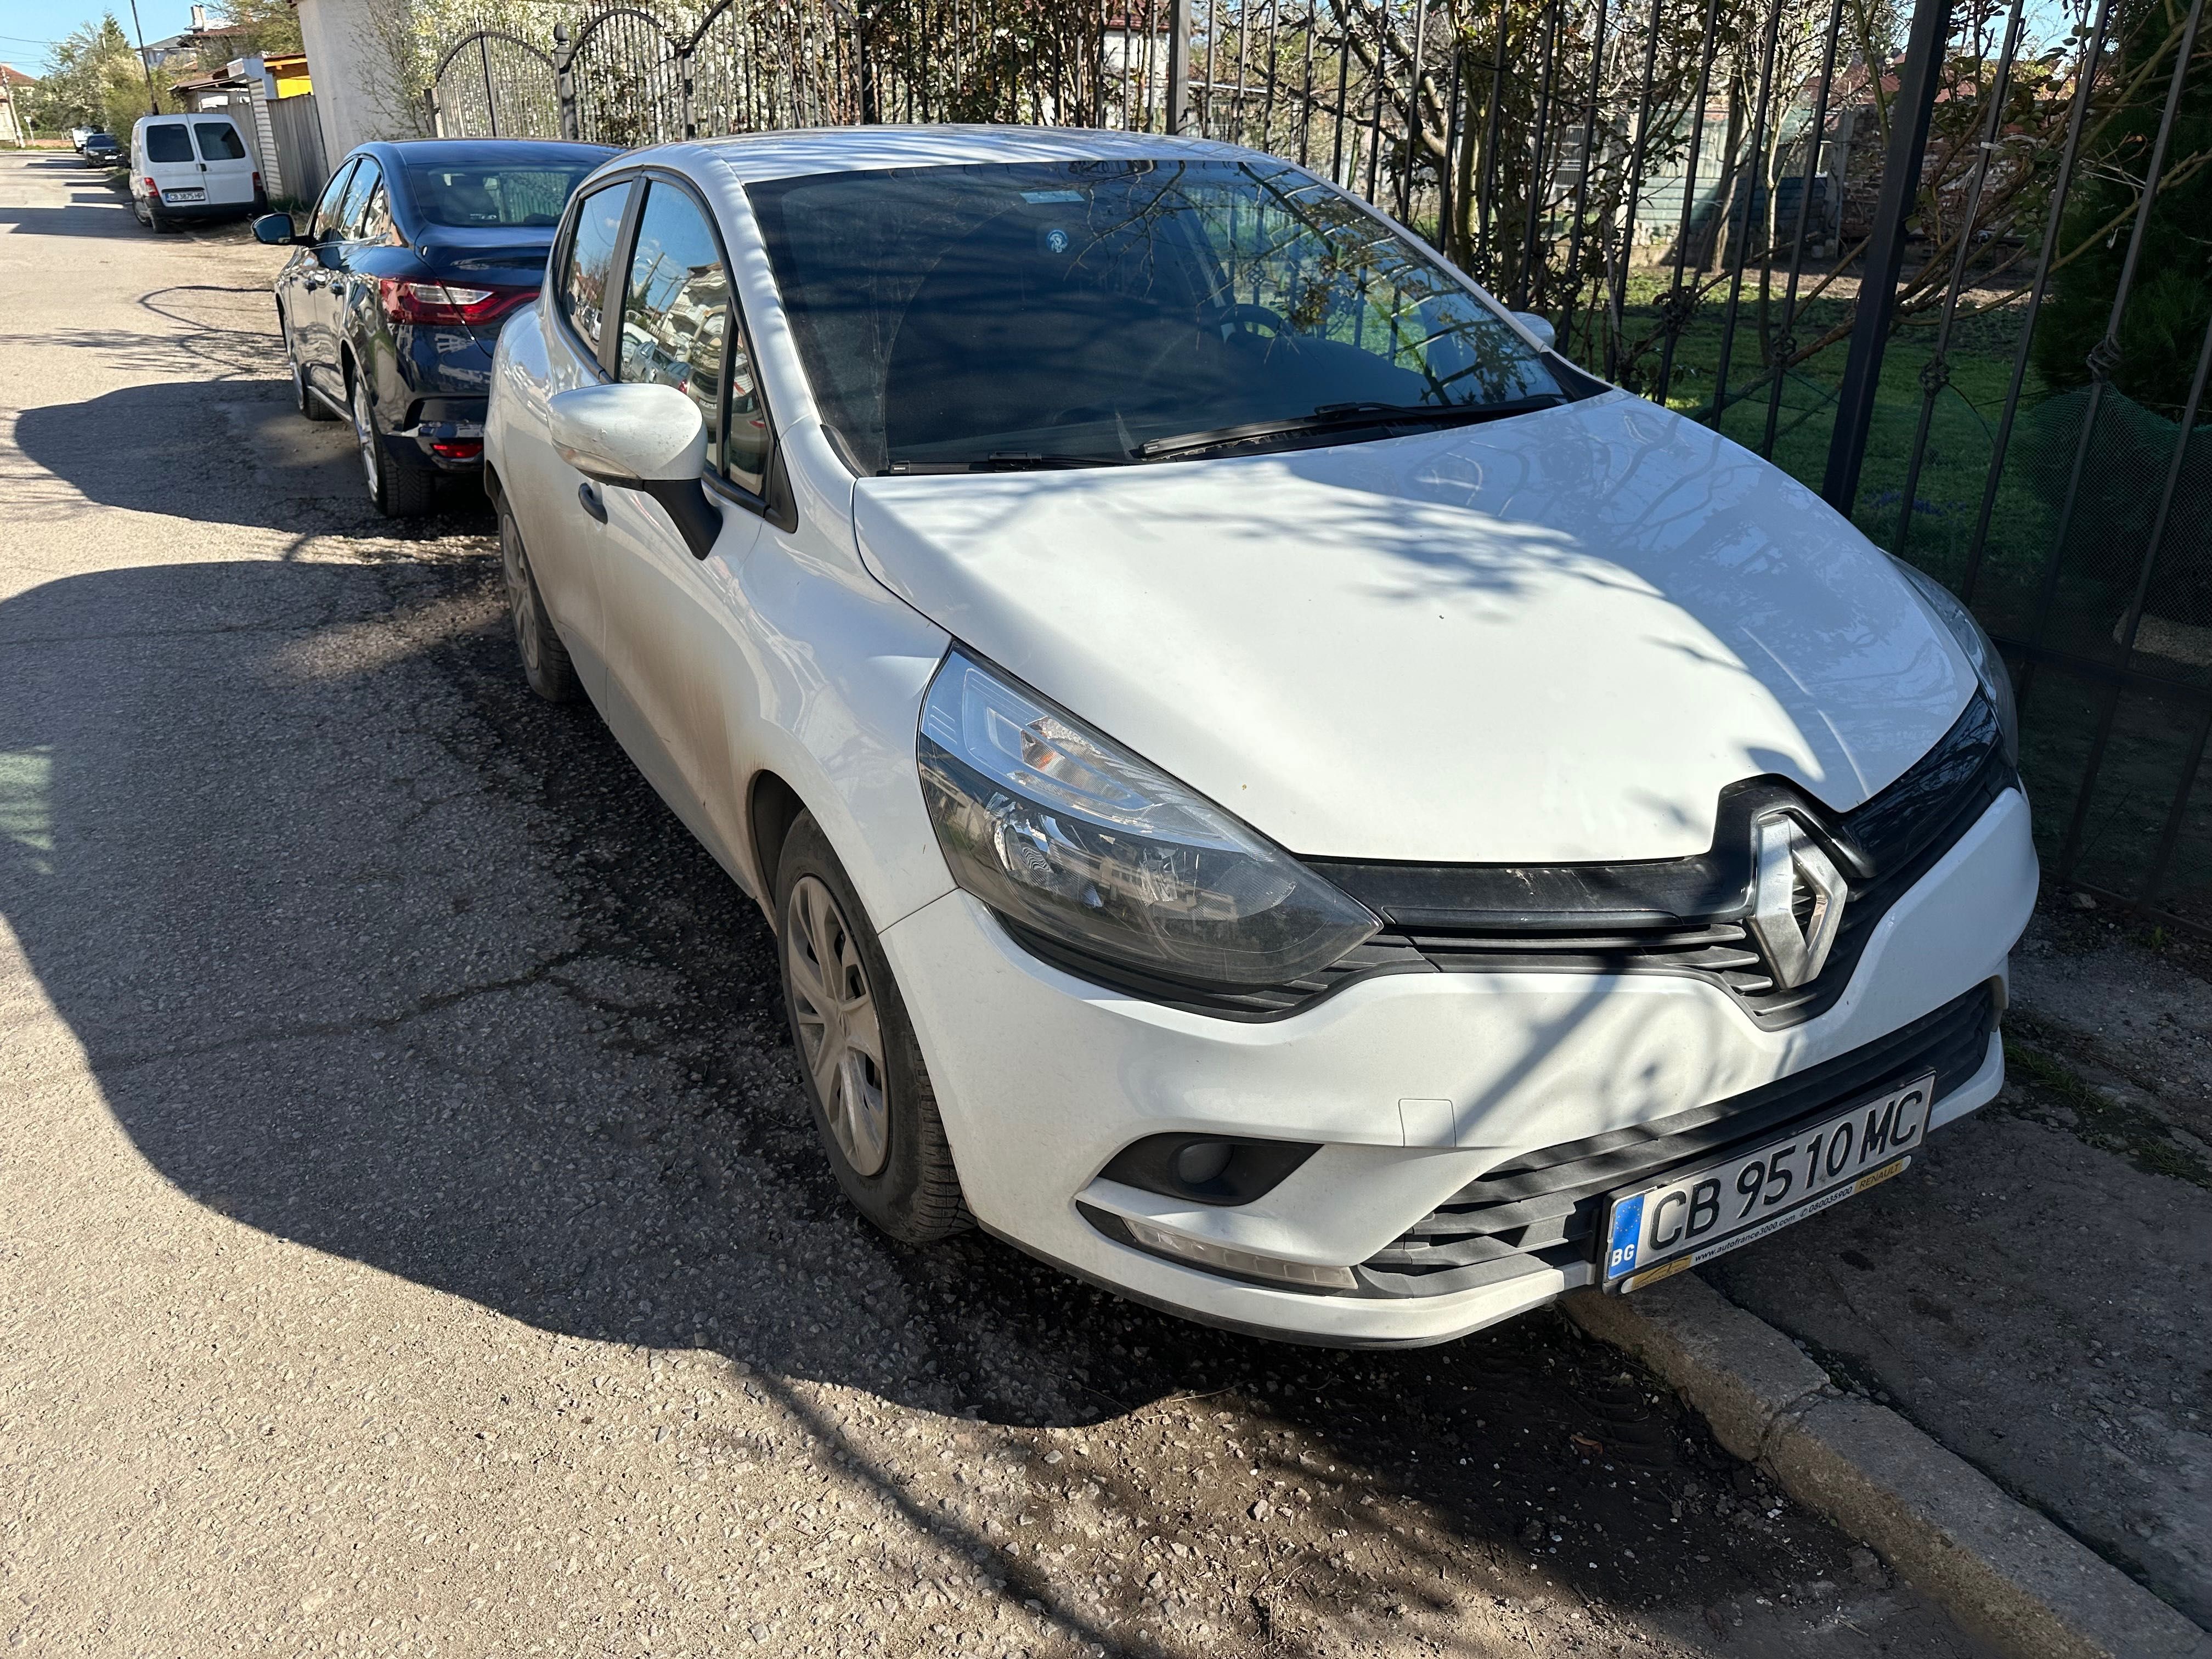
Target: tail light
x,y
405,301
456,449
256,181
153,189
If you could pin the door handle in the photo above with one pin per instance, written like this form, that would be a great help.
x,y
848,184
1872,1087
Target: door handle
x,y
592,504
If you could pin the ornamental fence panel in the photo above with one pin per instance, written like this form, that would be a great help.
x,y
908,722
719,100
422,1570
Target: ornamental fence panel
x,y
1943,263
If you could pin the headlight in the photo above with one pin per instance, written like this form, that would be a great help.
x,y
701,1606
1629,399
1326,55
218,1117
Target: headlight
x,y
1058,829
1980,649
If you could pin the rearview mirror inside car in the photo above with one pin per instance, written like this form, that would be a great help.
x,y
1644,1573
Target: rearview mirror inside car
x,y
275,230
642,436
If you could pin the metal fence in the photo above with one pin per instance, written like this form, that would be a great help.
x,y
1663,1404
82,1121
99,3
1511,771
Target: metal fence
x,y
1953,273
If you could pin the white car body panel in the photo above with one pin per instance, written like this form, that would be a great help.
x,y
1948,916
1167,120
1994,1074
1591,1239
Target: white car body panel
x,y
1556,637
1418,620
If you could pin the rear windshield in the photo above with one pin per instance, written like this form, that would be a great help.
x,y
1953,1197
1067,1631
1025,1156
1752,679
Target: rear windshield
x,y
167,143
467,195
219,142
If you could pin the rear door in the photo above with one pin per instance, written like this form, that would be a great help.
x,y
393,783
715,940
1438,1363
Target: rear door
x,y
227,168
171,163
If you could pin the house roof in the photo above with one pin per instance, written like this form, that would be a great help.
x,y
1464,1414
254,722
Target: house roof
x,y
10,76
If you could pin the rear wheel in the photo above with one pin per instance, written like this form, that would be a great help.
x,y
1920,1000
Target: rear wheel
x,y
399,490
546,662
873,1106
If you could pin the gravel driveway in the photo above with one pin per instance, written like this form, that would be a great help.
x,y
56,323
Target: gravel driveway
x,y
411,1238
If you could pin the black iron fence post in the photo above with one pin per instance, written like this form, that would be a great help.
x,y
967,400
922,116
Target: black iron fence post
x,y
1884,256
564,81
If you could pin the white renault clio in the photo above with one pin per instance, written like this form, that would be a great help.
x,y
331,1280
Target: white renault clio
x,y
1277,792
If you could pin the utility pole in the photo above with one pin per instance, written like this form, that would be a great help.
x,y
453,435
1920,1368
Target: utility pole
x,y
153,99
1179,22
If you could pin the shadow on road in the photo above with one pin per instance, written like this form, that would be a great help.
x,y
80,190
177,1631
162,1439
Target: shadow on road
x,y
373,952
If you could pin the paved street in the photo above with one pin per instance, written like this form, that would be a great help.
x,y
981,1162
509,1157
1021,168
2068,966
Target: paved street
x,y
411,1237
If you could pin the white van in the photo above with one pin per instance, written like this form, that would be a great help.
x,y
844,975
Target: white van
x,y
191,167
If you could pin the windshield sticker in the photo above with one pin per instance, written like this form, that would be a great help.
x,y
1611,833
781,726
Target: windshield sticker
x,y
1052,196
1056,241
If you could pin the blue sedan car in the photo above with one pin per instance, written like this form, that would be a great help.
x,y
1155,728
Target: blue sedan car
x,y
412,258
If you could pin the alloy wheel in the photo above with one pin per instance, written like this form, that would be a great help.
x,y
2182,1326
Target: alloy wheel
x,y
840,1038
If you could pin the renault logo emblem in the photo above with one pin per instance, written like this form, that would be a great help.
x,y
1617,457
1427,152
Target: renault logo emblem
x,y
1792,870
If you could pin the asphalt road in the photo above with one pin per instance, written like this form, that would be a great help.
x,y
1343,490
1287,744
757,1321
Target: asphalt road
x,y
411,1240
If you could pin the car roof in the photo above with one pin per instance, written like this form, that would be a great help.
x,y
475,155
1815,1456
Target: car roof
x,y
464,151
753,157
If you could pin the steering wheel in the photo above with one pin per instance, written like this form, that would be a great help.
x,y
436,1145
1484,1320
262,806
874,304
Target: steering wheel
x,y
1235,316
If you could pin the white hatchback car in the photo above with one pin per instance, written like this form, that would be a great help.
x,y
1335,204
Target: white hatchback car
x,y
1277,792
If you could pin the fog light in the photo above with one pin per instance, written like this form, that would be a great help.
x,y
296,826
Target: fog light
x,y
456,449
1200,1162
1222,1258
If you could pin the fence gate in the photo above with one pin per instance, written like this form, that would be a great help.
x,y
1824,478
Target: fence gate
x,y
494,85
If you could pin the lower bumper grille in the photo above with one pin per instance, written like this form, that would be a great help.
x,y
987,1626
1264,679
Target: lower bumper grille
x,y
1541,1208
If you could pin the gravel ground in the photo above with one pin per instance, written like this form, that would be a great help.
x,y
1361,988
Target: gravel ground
x,y
411,1240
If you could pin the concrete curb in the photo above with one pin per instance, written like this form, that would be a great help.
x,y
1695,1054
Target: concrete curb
x,y
2003,1572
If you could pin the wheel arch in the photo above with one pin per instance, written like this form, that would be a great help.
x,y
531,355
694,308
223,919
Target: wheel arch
x,y
772,806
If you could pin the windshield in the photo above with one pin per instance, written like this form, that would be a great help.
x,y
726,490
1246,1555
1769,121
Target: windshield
x,y
1104,311
469,196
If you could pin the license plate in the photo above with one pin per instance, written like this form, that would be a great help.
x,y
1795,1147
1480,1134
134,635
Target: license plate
x,y
184,196
1692,1217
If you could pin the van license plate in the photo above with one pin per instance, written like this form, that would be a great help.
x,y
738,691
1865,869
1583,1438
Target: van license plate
x,y
184,196
1656,1231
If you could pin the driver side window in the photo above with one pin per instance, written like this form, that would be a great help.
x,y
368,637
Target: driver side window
x,y
326,219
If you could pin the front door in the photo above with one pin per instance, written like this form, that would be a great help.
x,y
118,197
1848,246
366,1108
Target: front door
x,y
675,664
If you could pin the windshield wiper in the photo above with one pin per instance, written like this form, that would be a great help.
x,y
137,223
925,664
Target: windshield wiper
x,y
1329,417
1003,460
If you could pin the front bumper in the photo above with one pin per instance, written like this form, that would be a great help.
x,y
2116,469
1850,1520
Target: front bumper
x,y
1414,1085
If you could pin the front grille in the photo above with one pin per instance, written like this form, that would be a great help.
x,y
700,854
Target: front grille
x,y
1685,915
1542,1208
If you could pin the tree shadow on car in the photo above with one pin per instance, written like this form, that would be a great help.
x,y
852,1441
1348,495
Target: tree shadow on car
x,y
370,950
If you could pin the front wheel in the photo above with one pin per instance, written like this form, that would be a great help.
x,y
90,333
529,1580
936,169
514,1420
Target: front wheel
x,y
545,661
309,405
873,1106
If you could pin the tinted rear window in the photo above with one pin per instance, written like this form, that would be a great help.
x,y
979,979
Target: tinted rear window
x,y
503,196
167,143
219,142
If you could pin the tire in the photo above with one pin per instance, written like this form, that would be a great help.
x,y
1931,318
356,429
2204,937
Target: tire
x,y
310,406
399,491
156,221
545,661
880,1128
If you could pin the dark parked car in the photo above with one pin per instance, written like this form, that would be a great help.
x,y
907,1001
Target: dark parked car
x,y
101,149
411,261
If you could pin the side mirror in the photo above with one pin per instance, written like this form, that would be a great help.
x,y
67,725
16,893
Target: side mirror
x,y
642,436
1539,325
275,230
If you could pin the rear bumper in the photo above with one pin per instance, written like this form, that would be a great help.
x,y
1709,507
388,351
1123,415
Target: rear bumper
x,y
202,210
443,426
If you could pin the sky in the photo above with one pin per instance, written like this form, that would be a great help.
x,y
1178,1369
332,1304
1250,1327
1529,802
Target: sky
x,y
27,26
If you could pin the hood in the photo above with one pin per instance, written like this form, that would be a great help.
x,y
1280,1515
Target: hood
x,y
1550,639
